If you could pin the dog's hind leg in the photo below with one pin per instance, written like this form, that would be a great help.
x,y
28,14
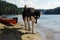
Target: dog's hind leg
x,y
26,22
29,24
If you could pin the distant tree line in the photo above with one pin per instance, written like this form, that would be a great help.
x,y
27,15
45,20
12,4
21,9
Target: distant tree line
x,y
9,9
53,11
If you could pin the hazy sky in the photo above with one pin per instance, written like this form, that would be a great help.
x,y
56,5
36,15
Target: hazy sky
x,y
38,4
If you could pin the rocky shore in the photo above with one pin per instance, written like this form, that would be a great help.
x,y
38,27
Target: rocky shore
x,y
17,32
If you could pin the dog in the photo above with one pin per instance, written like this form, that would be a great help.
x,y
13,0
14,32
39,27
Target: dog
x,y
30,14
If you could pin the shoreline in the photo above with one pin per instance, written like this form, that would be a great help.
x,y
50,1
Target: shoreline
x,y
19,31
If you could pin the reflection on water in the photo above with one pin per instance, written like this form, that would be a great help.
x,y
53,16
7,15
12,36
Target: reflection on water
x,y
48,26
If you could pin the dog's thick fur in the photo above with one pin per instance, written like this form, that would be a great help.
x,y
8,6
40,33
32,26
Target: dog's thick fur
x,y
30,14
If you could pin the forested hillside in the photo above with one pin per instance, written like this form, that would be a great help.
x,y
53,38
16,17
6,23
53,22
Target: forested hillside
x,y
8,8
53,11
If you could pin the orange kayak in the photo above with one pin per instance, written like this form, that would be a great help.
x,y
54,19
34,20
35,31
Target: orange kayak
x,y
10,21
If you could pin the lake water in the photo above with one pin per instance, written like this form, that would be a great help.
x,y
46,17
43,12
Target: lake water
x,y
48,26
